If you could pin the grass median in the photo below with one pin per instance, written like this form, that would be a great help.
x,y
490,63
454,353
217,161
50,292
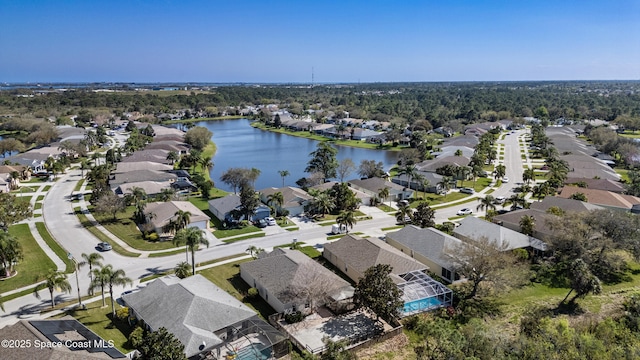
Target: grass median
x,y
101,236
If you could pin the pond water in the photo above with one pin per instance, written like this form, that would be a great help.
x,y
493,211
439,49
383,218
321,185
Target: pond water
x,y
240,145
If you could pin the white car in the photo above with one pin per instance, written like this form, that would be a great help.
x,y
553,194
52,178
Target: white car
x,y
505,179
465,211
499,200
271,221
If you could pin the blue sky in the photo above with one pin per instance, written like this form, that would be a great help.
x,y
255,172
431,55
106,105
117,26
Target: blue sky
x,y
343,41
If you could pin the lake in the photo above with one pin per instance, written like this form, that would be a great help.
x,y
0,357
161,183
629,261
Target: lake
x,y
240,145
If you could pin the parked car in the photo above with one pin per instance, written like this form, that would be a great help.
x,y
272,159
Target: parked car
x,y
499,200
505,179
262,223
467,190
338,229
104,246
465,211
271,221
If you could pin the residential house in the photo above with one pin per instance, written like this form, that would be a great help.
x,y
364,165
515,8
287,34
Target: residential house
x,y
364,134
178,147
291,281
151,188
159,214
66,329
136,176
473,229
541,219
160,130
429,246
35,161
603,198
203,317
372,187
598,184
364,198
222,208
124,167
7,181
153,155
566,205
353,255
295,199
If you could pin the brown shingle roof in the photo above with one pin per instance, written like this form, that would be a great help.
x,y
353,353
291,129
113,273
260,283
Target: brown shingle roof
x,y
601,197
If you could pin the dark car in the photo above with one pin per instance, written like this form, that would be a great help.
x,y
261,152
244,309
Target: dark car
x,y
104,246
262,223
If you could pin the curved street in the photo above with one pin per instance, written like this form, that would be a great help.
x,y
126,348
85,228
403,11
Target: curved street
x,y
66,228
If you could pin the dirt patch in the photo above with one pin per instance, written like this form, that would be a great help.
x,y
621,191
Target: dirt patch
x,y
395,348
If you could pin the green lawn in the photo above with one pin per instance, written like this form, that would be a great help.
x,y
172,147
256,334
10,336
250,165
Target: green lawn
x,y
624,173
481,183
240,238
34,265
435,199
220,234
40,198
102,237
311,252
98,319
385,208
294,228
314,136
79,185
392,228
46,188
227,277
126,230
630,134
167,253
55,246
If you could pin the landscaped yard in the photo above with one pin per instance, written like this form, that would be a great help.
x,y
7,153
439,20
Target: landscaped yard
x,y
126,229
34,265
435,199
98,319
227,277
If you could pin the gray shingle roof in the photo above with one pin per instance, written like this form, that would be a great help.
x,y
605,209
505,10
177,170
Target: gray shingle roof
x,y
429,242
225,204
165,211
362,253
474,228
568,205
375,184
278,270
192,309
141,175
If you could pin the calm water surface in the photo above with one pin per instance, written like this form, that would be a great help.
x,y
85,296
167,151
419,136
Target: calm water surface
x,y
240,145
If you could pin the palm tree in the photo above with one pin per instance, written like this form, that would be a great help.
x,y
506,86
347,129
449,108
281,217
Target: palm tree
x,y
541,190
206,163
499,172
347,218
464,172
404,212
182,219
276,200
192,237
410,171
384,194
528,175
487,203
283,174
53,280
445,184
173,156
182,270
323,203
100,279
84,165
92,260
118,278
166,194
254,251
516,200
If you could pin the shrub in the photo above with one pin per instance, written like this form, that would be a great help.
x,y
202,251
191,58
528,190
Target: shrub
x,y
135,338
293,317
252,293
122,313
152,237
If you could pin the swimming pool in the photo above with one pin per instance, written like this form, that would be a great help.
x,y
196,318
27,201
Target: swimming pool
x,y
416,306
253,352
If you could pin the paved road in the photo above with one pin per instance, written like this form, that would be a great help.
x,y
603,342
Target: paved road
x,y
65,227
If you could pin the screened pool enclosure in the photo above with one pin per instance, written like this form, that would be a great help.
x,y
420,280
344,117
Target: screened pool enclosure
x,y
421,293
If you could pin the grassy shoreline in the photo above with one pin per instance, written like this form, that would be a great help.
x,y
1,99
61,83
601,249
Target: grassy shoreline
x,y
307,135
232,117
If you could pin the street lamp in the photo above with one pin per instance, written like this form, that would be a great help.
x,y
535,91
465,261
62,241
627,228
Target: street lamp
x,y
76,266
